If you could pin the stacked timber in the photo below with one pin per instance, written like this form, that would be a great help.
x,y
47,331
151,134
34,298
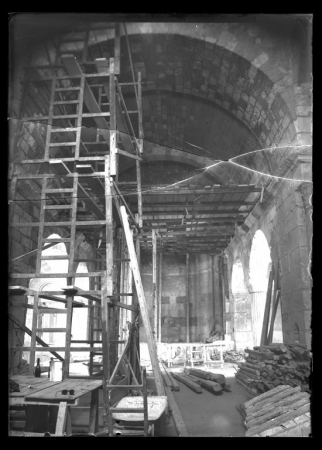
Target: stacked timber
x,y
212,382
281,412
268,366
187,381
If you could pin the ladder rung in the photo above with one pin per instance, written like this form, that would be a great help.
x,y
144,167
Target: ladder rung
x,y
63,130
127,410
66,102
72,88
66,116
55,257
58,207
101,114
46,310
52,330
57,349
62,144
124,386
57,240
54,191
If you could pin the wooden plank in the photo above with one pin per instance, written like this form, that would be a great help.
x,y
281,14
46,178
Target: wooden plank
x,y
263,340
286,393
268,394
247,388
93,416
195,387
68,338
33,335
279,420
58,349
165,375
53,393
176,415
154,285
142,303
276,409
187,300
160,297
112,101
61,419
274,310
176,387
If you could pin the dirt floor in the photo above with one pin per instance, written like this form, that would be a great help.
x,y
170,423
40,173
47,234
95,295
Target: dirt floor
x,y
207,414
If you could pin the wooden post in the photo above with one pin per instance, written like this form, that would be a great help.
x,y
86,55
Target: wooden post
x,y
107,279
112,120
267,308
138,164
222,290
154,284
274,305
187,299
33,335
160,300
69,305
142,303
117,49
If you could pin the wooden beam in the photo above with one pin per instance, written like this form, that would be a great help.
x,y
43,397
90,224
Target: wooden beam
x,y
142,303
112,102
117,49
187,300
61,418
263,340
273,315
154,285
176,415
160,299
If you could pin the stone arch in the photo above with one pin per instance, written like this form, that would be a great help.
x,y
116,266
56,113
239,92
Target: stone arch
x,y
259,263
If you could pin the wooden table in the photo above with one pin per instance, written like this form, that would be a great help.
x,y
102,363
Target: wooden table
x,y
36,393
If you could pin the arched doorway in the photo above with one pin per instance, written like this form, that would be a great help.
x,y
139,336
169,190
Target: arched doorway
x,y
241,323
259,268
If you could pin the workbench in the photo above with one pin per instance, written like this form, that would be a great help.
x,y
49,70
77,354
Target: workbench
x,y
40,396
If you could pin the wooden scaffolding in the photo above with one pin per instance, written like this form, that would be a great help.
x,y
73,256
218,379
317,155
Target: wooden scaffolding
x,y
75,185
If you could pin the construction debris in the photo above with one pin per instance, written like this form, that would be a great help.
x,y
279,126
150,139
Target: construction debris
x,y
273,365
214,336
234,355
282,411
